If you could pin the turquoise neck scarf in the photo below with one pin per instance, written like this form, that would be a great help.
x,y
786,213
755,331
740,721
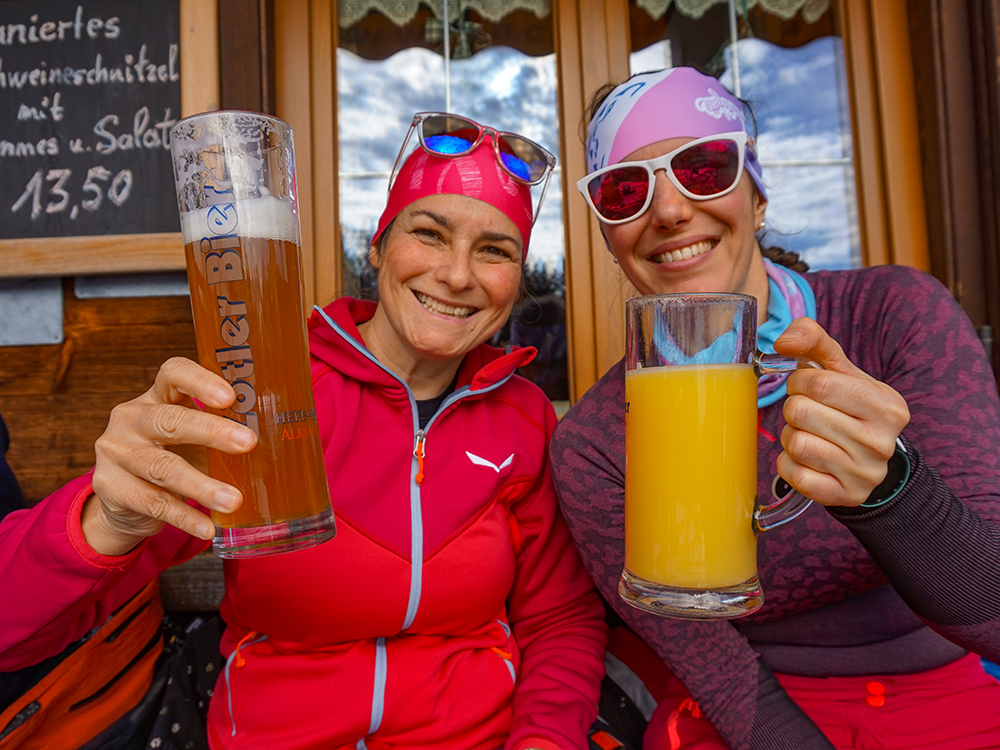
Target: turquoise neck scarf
x,y
790,297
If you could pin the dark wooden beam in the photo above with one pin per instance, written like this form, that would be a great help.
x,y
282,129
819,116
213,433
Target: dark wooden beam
x,y
246,54
954,44
985,44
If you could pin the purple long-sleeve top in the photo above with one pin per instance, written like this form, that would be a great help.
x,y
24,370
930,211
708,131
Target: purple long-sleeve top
x,y
905,587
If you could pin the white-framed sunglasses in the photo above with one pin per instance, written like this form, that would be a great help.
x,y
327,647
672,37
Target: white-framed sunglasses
x,y
448,135
703,169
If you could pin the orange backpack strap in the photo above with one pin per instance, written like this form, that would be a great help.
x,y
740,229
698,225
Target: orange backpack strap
x,y
92,687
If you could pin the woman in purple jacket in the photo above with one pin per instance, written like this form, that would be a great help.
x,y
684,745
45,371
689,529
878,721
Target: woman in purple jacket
x,y
880,604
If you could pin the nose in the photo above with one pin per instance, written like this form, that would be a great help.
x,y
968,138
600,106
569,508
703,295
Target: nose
x,y
670,208
456,269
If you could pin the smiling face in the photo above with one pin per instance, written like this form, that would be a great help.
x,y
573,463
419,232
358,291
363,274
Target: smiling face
x,y
681,245
449,273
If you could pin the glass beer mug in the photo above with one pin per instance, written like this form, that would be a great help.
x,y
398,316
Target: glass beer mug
x,y
691,509
235,179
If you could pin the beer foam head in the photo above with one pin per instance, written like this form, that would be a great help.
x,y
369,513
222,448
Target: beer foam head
x,y
672,103
266,217
476,174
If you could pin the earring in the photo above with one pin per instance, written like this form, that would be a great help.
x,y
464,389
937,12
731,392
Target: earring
x,y
762,225
615,260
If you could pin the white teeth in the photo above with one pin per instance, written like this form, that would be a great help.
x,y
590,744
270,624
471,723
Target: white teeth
x,y
439,307
684,253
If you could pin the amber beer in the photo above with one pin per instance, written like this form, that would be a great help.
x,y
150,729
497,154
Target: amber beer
x,y
243,261
286,426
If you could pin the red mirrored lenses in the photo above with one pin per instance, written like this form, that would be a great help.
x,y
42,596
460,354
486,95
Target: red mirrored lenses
x,y
620,193
703,170
708,168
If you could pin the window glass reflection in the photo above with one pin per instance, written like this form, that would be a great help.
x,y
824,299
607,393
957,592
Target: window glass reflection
x,y
798,97
812,209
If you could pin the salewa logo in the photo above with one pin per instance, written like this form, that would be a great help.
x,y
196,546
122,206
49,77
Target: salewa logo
x,y
483,462
717,107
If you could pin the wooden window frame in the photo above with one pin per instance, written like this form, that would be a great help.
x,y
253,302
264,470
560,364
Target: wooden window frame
x,y
595,290
305,56
885,133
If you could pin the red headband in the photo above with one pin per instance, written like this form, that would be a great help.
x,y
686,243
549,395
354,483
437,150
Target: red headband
x,y
476,175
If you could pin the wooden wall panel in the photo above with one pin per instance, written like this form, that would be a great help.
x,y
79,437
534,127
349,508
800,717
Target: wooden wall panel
x,y
56,399
324,261
582,355
934,123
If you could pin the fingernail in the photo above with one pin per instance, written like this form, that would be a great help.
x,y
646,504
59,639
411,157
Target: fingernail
x,y
227,500
789,336
244,438
222,394
206,530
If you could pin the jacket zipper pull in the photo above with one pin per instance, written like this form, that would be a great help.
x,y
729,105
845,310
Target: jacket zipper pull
x,y
240,662
418,451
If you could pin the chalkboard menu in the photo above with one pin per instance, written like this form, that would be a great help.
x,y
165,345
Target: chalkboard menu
x,y
88,92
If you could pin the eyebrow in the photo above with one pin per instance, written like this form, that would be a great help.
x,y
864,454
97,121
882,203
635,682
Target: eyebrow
x,y
447,223
441,219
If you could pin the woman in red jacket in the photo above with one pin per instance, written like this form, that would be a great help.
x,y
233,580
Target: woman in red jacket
x,y
451,610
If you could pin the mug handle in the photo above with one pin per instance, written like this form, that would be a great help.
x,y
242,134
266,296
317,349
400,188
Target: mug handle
x,y
794,503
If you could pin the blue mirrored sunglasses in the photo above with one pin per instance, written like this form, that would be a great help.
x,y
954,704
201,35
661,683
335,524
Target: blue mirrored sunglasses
x,y
449,135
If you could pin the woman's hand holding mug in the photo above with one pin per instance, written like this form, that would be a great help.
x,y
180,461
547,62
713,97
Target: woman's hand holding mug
x,y
842,423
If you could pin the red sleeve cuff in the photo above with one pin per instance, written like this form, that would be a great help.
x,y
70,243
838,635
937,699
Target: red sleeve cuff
x,y
84,550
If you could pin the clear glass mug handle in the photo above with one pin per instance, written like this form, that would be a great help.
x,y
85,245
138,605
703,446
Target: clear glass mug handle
x,y
794,503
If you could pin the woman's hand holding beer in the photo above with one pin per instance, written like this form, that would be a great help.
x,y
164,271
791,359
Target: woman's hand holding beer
x,y
139,484
842,423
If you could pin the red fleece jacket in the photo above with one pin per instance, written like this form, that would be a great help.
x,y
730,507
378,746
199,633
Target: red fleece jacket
x,y
453,613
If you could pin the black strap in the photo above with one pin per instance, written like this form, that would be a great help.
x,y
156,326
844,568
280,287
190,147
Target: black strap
x,y
11,497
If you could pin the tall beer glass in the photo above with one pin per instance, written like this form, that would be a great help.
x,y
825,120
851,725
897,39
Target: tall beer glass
x,y
691,509
235,179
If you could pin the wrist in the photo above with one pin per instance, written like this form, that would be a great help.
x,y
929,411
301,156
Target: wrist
x,y
897,475
899,469
100,534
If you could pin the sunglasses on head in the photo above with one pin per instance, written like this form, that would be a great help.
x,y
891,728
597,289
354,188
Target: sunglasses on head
x,y
448,135
702,169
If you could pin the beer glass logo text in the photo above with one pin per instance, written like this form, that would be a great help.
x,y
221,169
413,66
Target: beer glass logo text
x,y
223,263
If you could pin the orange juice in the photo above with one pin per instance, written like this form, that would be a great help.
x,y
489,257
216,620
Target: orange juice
x,y
691,474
